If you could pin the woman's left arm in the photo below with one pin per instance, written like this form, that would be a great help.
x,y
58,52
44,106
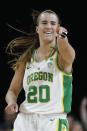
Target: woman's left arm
x,y
66,52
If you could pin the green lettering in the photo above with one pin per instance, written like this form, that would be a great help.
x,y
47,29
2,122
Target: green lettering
x,y
40,76
28,79
45,76
50,77
35,76
31,77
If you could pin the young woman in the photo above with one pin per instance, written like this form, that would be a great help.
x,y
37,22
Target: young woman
x,y
44,70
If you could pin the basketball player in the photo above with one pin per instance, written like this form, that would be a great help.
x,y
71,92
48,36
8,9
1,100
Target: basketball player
x,y
46,79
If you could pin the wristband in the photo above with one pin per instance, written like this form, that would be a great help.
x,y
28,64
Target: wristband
x,y
64,34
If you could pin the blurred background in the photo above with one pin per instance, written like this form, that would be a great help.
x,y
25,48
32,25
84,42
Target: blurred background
x,y
73,19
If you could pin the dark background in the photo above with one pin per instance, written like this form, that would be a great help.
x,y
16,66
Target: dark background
x,y
73,18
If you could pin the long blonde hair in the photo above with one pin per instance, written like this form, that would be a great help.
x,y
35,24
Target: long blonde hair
x,y
22,47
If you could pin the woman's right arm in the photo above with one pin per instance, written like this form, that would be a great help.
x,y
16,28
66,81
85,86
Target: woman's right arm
x,y
14,90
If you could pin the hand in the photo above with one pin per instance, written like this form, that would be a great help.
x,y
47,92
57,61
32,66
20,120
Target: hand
x,y
12,108
61,32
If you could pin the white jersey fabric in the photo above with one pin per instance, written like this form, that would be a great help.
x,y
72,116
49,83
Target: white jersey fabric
x,y
48,89
39,122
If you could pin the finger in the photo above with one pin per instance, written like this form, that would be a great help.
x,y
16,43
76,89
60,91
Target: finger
x,y
61,30
8,110
63,33
14,108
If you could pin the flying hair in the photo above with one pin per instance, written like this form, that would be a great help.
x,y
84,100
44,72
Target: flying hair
x,y
22,47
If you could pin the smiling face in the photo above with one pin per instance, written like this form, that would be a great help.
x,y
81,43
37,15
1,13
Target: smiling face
x,y
47,25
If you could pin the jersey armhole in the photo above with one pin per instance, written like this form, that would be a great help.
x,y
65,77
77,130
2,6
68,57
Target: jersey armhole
x,y
58,66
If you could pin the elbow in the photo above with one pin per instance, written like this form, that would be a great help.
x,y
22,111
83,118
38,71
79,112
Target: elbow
x,y
73,55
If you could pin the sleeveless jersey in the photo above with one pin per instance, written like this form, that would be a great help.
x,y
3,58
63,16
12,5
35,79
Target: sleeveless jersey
x,y
48,89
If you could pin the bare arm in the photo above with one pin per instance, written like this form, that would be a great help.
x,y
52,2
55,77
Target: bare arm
x,y
14,90
66,54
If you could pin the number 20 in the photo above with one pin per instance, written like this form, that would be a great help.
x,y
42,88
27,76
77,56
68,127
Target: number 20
x,y
34,93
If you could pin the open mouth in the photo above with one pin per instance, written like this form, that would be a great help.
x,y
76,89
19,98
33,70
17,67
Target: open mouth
x,y
48,33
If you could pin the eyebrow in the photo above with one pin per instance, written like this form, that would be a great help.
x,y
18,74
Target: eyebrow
x,y
46,21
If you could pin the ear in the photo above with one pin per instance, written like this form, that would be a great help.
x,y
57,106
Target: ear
x,y
37,29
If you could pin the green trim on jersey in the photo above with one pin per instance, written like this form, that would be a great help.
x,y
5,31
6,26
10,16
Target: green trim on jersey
x,y
62,125
33,55
58,66
66,87
67,93
50,54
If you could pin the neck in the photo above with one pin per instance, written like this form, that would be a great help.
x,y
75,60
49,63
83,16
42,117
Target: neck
x,y
44,50
46,47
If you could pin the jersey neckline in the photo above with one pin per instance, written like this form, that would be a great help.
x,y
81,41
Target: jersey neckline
x,y
52,52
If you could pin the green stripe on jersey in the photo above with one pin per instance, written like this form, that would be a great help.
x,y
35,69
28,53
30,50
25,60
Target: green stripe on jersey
x,y
62,125
67,88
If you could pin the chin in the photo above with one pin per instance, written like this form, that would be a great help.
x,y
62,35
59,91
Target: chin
x,y
48,40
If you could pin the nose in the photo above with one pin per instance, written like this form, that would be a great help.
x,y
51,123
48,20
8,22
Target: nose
x,y
48,25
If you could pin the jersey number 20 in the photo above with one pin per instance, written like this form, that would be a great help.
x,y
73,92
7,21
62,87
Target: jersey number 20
x,y
32,96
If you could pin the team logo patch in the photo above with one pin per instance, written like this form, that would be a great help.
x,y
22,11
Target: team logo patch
x,y
51,59
50,64
28,67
